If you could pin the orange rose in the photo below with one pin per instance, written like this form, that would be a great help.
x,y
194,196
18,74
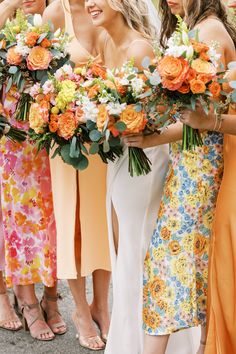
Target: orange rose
x,y
46,43
135,121
99,71
39,116
185,88
102,117
215,88
199,47
204,56
39,58
53,124
31,39
173,72
191,75
203,67
13,57
197,86
67,124
205,78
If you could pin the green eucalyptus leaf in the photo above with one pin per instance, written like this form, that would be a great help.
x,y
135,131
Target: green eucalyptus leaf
x,y
120,126
106,146
95,135
94,148
13,69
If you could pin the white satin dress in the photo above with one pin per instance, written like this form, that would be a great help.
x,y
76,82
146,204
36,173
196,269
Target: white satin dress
x,y
136,202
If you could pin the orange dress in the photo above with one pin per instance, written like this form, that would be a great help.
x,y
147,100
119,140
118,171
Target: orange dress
x,y
79,199
222,276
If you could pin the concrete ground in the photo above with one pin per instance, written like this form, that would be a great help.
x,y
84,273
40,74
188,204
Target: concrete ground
x,y
21,343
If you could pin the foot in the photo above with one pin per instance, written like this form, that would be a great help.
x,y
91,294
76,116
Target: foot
x,y
202,347
35,323
8,317
52,315
102,318
87,333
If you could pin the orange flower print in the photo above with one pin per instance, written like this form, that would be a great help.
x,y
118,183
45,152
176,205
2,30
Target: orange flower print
x,y
151,318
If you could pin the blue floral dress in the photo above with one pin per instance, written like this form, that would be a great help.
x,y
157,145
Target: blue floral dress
x,y
176,265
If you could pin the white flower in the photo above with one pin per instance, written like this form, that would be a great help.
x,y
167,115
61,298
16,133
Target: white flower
x,y
137,85
214,56
22,49
90,111
124,81
185,38
115,108
48,87
190,52
34,90
65,70
176,51
38,20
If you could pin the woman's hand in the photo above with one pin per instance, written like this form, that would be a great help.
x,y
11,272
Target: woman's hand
x,y
14,4
141,141
198,119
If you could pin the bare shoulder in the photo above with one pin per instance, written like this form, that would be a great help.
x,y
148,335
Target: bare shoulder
x,y
213,29
54,13
139,49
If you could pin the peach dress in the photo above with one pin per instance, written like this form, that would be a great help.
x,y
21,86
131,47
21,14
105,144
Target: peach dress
x,y
79,198
222,276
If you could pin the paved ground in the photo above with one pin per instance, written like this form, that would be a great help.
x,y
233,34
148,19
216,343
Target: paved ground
x,y
21,342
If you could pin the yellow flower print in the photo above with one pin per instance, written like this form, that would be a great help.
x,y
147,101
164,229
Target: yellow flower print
x,y
192,200
151,318
179,266
174,248
208,219
206,166
200,244
169,295
157,287
173,224
188,242
162,304
174,202
186,306
175,183
159,253
165,233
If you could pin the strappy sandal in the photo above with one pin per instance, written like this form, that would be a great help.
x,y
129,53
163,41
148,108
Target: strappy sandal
x,y
104,336
27,323
4,324
50,314
88,342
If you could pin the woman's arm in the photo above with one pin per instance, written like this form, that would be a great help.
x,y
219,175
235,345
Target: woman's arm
x,y
171,134
54,13
7,9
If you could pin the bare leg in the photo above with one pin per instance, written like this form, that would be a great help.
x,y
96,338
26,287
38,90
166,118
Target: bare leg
x,y
50,306
26,296
155,344
203,341
6,310
99,307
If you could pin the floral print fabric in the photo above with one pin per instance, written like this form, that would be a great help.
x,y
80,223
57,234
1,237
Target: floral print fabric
x,y
176,265
29,229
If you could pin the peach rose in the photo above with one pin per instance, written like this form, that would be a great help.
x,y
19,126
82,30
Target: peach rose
x,y
39,58
31,39
13,58
173,72
191,75
79,114
102,117
199,47
203,67
53,124
135,121
215,89
205,78
39,116
204,56
67,124
46,43
197,86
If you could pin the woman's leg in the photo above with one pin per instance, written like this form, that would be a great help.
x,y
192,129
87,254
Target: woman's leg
x,y
155,344
8,318
99,307
50,306
29,305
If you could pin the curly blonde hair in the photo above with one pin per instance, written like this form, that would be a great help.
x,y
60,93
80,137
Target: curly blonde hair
x,y
136,14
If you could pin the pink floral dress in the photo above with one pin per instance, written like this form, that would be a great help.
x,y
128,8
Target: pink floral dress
x,y
28,225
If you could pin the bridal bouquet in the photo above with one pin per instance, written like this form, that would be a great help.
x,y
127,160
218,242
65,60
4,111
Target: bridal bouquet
x,y
187,73
62,114
120,111
29,52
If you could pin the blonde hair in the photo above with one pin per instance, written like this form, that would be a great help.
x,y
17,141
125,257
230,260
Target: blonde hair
x,y
136,14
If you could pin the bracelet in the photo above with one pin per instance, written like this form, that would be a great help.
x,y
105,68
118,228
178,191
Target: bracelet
x,y
219,121
216,121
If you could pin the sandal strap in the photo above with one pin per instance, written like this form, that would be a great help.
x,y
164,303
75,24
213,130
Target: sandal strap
x,y
51,298
32,319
